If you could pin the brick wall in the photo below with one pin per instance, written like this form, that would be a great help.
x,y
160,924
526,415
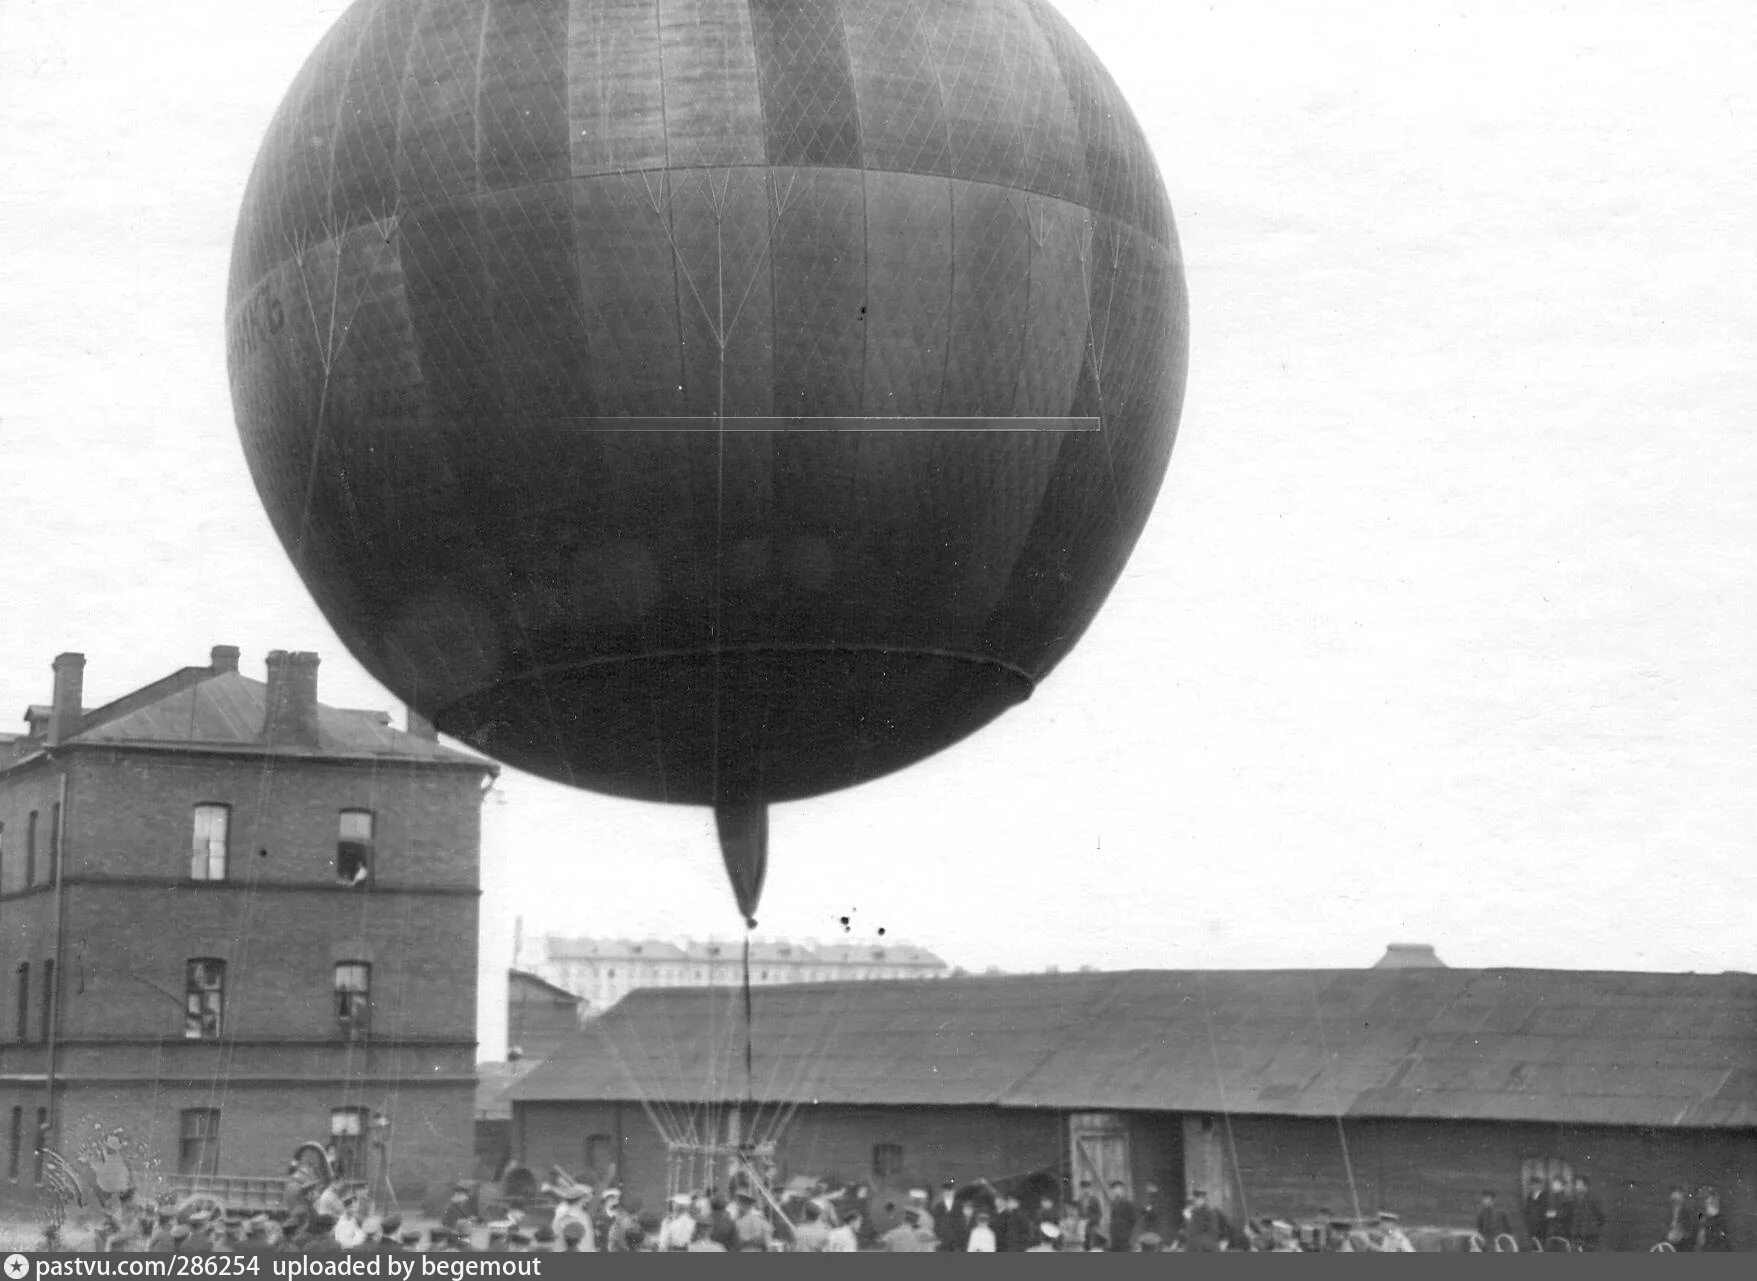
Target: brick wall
x,y
259,1128
127,950
131,813
34,787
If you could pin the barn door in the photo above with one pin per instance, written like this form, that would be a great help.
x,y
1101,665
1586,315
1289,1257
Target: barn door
x,y
1098,1148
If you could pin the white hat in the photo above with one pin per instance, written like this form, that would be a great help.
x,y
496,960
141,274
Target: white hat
x,y
682,1198
1049,1230
918,1194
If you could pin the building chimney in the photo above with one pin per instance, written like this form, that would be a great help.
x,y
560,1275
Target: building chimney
x,y
1409,956
290,719
69,697
224,658
421,727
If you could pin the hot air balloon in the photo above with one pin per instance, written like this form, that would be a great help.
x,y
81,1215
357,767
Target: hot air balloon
x,y
720,402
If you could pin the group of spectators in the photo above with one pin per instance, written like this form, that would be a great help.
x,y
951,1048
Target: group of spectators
x,y
976,1218
1564,1214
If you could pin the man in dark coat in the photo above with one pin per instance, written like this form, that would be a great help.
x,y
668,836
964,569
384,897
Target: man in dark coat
x,y
1559,1218
1712,1234
1588,1217
1014,1232
949,1224
1491,1221
1123,1216
1536,1214
1206,1227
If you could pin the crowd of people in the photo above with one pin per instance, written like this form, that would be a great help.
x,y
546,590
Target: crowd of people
x,y
975,1217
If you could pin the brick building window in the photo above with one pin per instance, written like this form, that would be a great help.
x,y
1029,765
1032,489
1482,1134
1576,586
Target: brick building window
x,y
30,849
54,868
353,997
347,1134
48,999
354,847
24,1002
205,997
209,843
16,1145
41,1142
887,1160
198,1141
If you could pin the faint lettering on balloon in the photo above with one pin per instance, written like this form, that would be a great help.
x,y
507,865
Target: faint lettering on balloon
x,y
261,318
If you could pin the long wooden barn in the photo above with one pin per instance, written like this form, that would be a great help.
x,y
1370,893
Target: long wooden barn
x,y
1284,1093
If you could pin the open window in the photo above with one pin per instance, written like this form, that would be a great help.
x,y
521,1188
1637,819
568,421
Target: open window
x,y
353,998
204,999
210,840
347,1135
354,848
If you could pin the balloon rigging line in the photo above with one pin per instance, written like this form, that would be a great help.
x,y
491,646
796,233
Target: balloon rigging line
x,y
1335,1098
1238,1175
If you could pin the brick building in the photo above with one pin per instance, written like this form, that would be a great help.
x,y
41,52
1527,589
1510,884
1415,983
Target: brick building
x,y
1282,1093
235,920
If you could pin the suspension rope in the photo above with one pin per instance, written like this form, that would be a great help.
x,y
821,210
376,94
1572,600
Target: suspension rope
x,y
1336,1109
1225,1112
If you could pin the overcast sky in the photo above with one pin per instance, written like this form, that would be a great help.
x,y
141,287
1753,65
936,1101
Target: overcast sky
x,y
1442,629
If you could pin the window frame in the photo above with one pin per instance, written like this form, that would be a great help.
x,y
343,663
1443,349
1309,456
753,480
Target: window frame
x,y
365,850
195,1000
15,1152
48,1013
22,999
360,998
205,1141
350,1147
30,850
887,1160
201,868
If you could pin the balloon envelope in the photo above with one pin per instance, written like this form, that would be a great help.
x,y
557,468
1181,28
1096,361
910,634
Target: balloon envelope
x,y
707,400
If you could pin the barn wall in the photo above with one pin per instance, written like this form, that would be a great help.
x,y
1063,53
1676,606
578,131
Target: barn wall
x,y
1433,1172
835,1143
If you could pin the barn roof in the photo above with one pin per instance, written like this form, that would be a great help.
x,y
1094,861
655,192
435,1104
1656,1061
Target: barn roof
x,y
1574,1047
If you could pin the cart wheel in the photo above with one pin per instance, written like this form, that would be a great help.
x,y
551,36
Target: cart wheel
x,y
200,1201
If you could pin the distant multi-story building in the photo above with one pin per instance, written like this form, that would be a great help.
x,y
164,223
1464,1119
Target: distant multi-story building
x,y
237,920
602,971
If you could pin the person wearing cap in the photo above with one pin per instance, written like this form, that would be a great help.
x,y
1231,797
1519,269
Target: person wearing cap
x,y
1013,1229
1392,1238
1049,1237
1123,1216
1491,1220
981,1238
907,1237
1535,1212
678,1229
1207,1227
457,1209
754,1231
1559,1218
387,1229
703,1241
844,1238
409,1240
810,1235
